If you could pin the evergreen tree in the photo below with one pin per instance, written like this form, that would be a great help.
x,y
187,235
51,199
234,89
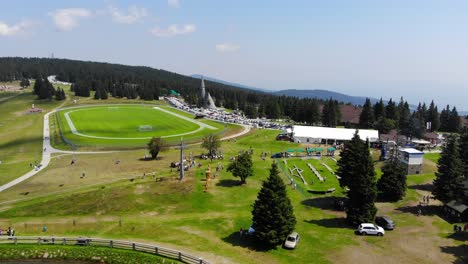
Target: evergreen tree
x,y
59,94
24,83
392,184
404,114
448,184
44,89
433,117
454,123
242,166
356,170
444,119
366,119
104,94
384,125
97,94
331,113
464,151
37,86
379,110
272,215
391,111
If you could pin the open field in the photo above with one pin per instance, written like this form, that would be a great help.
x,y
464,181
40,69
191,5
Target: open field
x,y
21,134
125,121
118,125
115,201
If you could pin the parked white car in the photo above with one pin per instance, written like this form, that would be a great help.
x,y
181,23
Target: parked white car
x,y
291,241
370,229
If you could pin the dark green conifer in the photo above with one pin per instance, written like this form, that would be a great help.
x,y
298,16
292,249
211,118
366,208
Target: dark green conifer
x,y
273,216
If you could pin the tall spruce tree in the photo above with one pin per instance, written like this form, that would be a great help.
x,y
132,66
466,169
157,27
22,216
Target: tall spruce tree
x,y
454,123
272,215
392,184
366,119
433,117
404,118
464,151
444,119
379,109
356,170
391,111
448,184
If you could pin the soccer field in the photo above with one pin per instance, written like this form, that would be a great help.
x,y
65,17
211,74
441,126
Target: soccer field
x,y
129,125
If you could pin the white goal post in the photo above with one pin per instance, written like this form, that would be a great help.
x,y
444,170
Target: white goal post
x,y
145,128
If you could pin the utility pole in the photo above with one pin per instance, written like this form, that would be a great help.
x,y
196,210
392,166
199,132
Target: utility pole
x,y
182,167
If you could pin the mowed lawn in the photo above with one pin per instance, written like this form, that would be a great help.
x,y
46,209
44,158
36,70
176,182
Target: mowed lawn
x,y
124,122
116,122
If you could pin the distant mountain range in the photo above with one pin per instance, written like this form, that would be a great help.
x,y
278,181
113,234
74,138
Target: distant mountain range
x,y
325,94
316,93
319,94
199,76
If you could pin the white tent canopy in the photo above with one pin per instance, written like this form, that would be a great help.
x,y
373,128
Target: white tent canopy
x,y
314,134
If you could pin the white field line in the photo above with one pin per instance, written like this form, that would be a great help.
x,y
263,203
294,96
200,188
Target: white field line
x,y
201,126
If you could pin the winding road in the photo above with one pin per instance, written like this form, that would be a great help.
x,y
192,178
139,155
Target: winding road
x,y
48,150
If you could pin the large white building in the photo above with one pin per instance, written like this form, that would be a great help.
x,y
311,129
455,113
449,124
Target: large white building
x,y
330,135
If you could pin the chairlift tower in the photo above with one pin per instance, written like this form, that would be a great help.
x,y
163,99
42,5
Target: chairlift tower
x,y
182,167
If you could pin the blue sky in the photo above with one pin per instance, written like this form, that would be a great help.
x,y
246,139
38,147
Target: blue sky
x,y
415,49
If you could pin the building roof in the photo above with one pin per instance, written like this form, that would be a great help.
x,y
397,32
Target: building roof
x,y
411,151
334,133
350,114
420,141
392,136
459,207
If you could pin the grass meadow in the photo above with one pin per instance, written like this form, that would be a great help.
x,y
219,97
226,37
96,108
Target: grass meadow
x,y
142,200
116,201
117,122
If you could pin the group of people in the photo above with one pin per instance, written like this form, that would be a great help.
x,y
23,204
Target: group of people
x,y
457,228
9,232
426,200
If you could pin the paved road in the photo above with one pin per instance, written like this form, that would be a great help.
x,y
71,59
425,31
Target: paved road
x,y
48,150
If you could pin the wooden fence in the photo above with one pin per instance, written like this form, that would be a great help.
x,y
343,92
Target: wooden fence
x,y
84,241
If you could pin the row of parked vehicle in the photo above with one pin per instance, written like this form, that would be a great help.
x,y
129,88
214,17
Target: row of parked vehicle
x,y
382,223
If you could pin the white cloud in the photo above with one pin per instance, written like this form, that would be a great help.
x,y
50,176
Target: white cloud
x,y
134,15
13,30
68,18
173,3
173,30
227,47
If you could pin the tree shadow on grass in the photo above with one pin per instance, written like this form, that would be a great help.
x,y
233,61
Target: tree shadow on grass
x,y
340,222
246,241
428,187
228,183
460,236
460,252
324,203
426,210
381,198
